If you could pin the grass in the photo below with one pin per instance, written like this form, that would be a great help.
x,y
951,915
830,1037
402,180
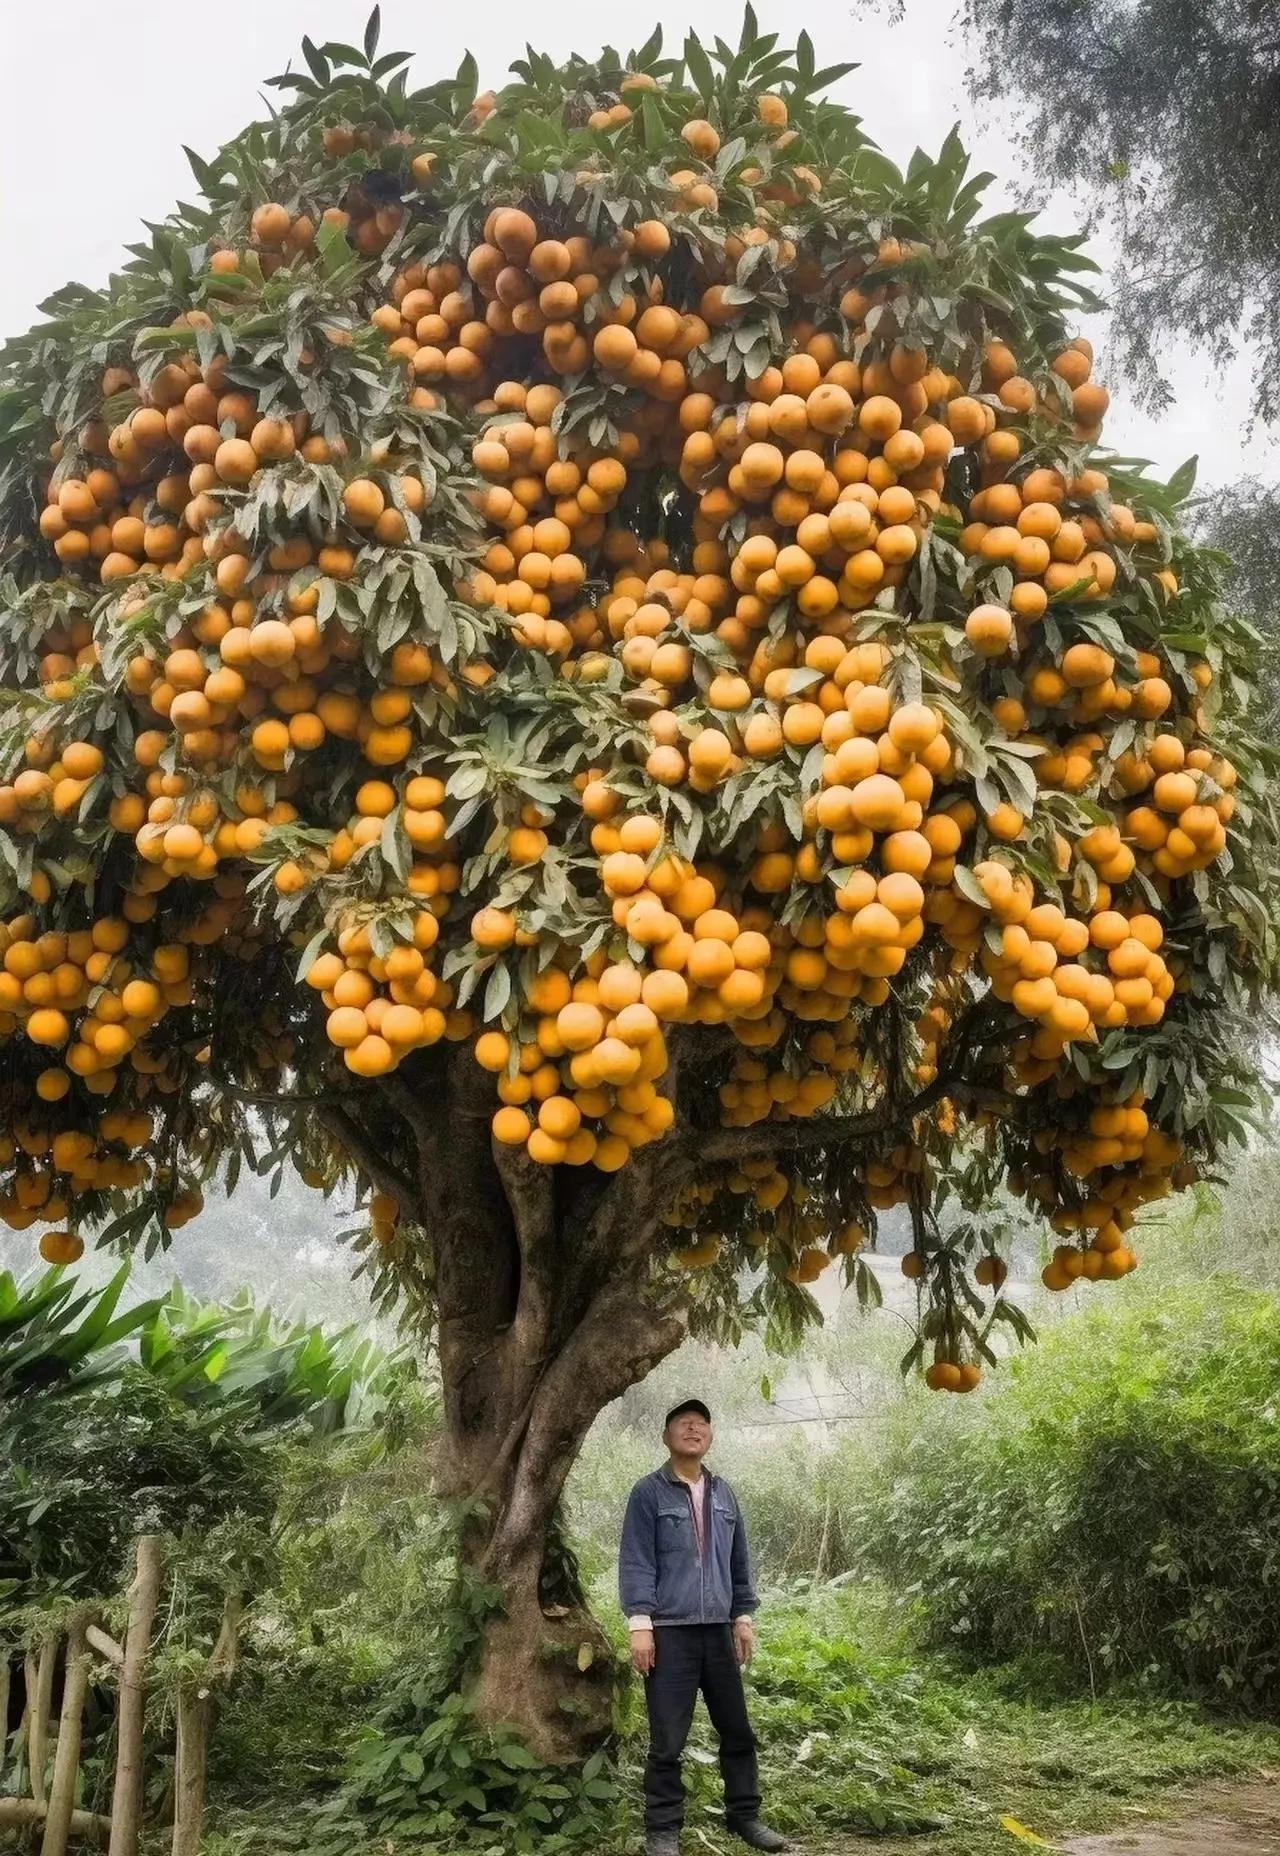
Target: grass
x,y
866,1738
867,1742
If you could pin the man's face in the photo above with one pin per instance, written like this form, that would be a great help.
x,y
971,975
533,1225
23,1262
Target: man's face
x,y
688,1435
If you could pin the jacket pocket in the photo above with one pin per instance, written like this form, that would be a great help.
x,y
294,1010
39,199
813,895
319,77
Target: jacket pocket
x,y
675,1531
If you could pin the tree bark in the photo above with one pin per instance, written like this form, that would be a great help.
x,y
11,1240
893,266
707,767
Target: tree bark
x,y
66,1764
126,1797
545,1313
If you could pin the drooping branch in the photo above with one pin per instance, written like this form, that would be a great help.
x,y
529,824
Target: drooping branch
x,y
971,1034
386,1176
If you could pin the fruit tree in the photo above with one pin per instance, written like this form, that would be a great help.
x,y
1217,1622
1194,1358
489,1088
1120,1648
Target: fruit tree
x,y
575,655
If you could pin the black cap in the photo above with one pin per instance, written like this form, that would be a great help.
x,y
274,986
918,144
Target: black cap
x,y
688,1404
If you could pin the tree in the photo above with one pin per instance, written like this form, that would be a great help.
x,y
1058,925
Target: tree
x,y
1163,113
576,652
1240,520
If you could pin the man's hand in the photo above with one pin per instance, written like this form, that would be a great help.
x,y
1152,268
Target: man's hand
x,y
642,1652
744,1640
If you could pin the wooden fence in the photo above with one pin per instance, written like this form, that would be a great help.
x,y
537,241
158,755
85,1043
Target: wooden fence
x,y
50,1800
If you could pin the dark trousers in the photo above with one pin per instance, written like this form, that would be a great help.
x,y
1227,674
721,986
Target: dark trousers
x,y
690,1657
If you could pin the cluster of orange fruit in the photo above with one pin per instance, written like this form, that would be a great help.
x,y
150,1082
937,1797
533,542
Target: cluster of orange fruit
x,y
792,1222
706,458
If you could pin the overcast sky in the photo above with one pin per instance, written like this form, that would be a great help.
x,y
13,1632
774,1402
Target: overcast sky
x,y
96,102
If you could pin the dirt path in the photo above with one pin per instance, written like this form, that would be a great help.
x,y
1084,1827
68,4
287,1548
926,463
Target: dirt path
x,y
1234,1818
1228,1820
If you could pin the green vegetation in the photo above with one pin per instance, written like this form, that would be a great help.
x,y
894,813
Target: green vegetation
x,y
877,1718
1116,1504
1048,1602
863,1735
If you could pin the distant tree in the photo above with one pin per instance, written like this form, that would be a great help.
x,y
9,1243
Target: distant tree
x,y
1166,114
1240,520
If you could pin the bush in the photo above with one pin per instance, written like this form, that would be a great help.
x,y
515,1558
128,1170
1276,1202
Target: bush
x,y
1116,1503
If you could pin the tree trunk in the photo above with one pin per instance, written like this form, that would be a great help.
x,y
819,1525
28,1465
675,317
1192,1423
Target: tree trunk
x,y
539,1284
544,1666
126,1797
66,1763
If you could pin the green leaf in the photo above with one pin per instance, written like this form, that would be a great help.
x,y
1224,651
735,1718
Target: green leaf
x,y
371,32
497,993
699,68
1183,480
317,61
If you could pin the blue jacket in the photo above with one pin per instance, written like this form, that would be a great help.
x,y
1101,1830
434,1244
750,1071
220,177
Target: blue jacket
x,y
660,1572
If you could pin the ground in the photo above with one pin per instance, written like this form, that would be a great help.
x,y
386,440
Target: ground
x,y
1238,1819
1229,1820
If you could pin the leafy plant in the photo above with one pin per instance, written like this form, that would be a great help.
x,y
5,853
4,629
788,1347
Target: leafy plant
x,y
1117,1506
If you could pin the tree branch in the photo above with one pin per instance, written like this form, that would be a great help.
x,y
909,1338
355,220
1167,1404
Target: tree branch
x,y
347,1131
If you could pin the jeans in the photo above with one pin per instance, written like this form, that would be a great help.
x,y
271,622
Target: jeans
x,y
690,1657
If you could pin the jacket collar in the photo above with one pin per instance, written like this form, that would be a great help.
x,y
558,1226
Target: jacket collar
x,y
669,1475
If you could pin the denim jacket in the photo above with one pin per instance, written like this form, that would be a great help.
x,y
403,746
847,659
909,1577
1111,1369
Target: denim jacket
x,y
660,1572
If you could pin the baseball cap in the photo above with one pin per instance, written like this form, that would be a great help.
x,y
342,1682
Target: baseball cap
x,y
688,1404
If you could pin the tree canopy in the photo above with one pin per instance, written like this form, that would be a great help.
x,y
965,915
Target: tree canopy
x,y
580,653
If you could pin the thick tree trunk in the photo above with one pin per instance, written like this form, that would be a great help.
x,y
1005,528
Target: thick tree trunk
x,y
545,1313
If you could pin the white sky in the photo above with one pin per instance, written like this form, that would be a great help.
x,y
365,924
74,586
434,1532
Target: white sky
x,y
96,102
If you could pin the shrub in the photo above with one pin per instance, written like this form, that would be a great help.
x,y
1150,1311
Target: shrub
x,y
1116,1504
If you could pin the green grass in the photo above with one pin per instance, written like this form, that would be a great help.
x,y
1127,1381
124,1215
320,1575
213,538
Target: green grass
x,y
868,1742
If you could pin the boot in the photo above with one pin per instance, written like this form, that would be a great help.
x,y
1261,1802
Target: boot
x,y
758,1836
662,1843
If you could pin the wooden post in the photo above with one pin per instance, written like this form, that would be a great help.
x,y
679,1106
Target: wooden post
x,y
66,1764
195,1716
191,1767
126,1802
5,1654
39,1698
23,1813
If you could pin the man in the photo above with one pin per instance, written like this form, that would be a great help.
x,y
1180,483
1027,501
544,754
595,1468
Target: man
x,y
684,1578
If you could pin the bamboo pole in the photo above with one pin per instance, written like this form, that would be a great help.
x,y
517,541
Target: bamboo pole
x,y
66,1763
38,1719
126,1800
